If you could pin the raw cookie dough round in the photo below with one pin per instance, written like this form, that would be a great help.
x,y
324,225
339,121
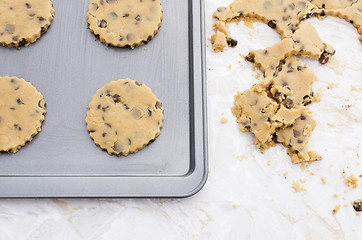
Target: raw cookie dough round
x,y
23,21
22,110
124,116
124,23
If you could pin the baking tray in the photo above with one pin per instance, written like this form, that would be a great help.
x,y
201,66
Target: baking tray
x,y
67,65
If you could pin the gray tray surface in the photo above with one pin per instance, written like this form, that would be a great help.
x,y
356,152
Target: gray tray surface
x,y
67,65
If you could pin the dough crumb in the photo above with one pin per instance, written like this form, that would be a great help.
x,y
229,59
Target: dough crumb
x,y
224,120
336,209
331,86
285,174
240,158
298,187
351,181
303,167
230,66
335,195
324,180
354,88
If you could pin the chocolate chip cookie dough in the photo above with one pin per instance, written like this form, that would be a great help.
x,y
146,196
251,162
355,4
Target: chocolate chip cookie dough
x,y
124,116
274,111
124,23
285,16
23,21
22,110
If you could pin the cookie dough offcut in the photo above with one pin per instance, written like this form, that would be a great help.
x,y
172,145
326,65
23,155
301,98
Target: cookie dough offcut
x,y
124,116
23,21
125,23
22,110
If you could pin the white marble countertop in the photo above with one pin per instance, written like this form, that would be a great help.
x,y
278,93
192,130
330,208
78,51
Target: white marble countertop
x,y
248,194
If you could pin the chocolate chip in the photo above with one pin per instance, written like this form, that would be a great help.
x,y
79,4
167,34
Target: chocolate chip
x,y
232,42
288,102
290,71
250,58
102,24
94,7
138,18
27,5
22,43
104,134
15,38
17,127
285,18
324,57
323,5
136,113
111,1
104,109
9,29
12,108
19,101
92,131
101,2
108,125
129,37
149,113
126,15
307,100
121,38
113,15
158,105
126,106
118,147
221,9
323,13
31,14
302,117
357,205
116,98
300,68
137,83
272,24
300,141
296,133
129,141
41,19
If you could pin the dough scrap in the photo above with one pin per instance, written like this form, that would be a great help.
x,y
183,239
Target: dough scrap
x,y
22,110
22,21
286,17
305,41
124,116
124,23
273,108
283,16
